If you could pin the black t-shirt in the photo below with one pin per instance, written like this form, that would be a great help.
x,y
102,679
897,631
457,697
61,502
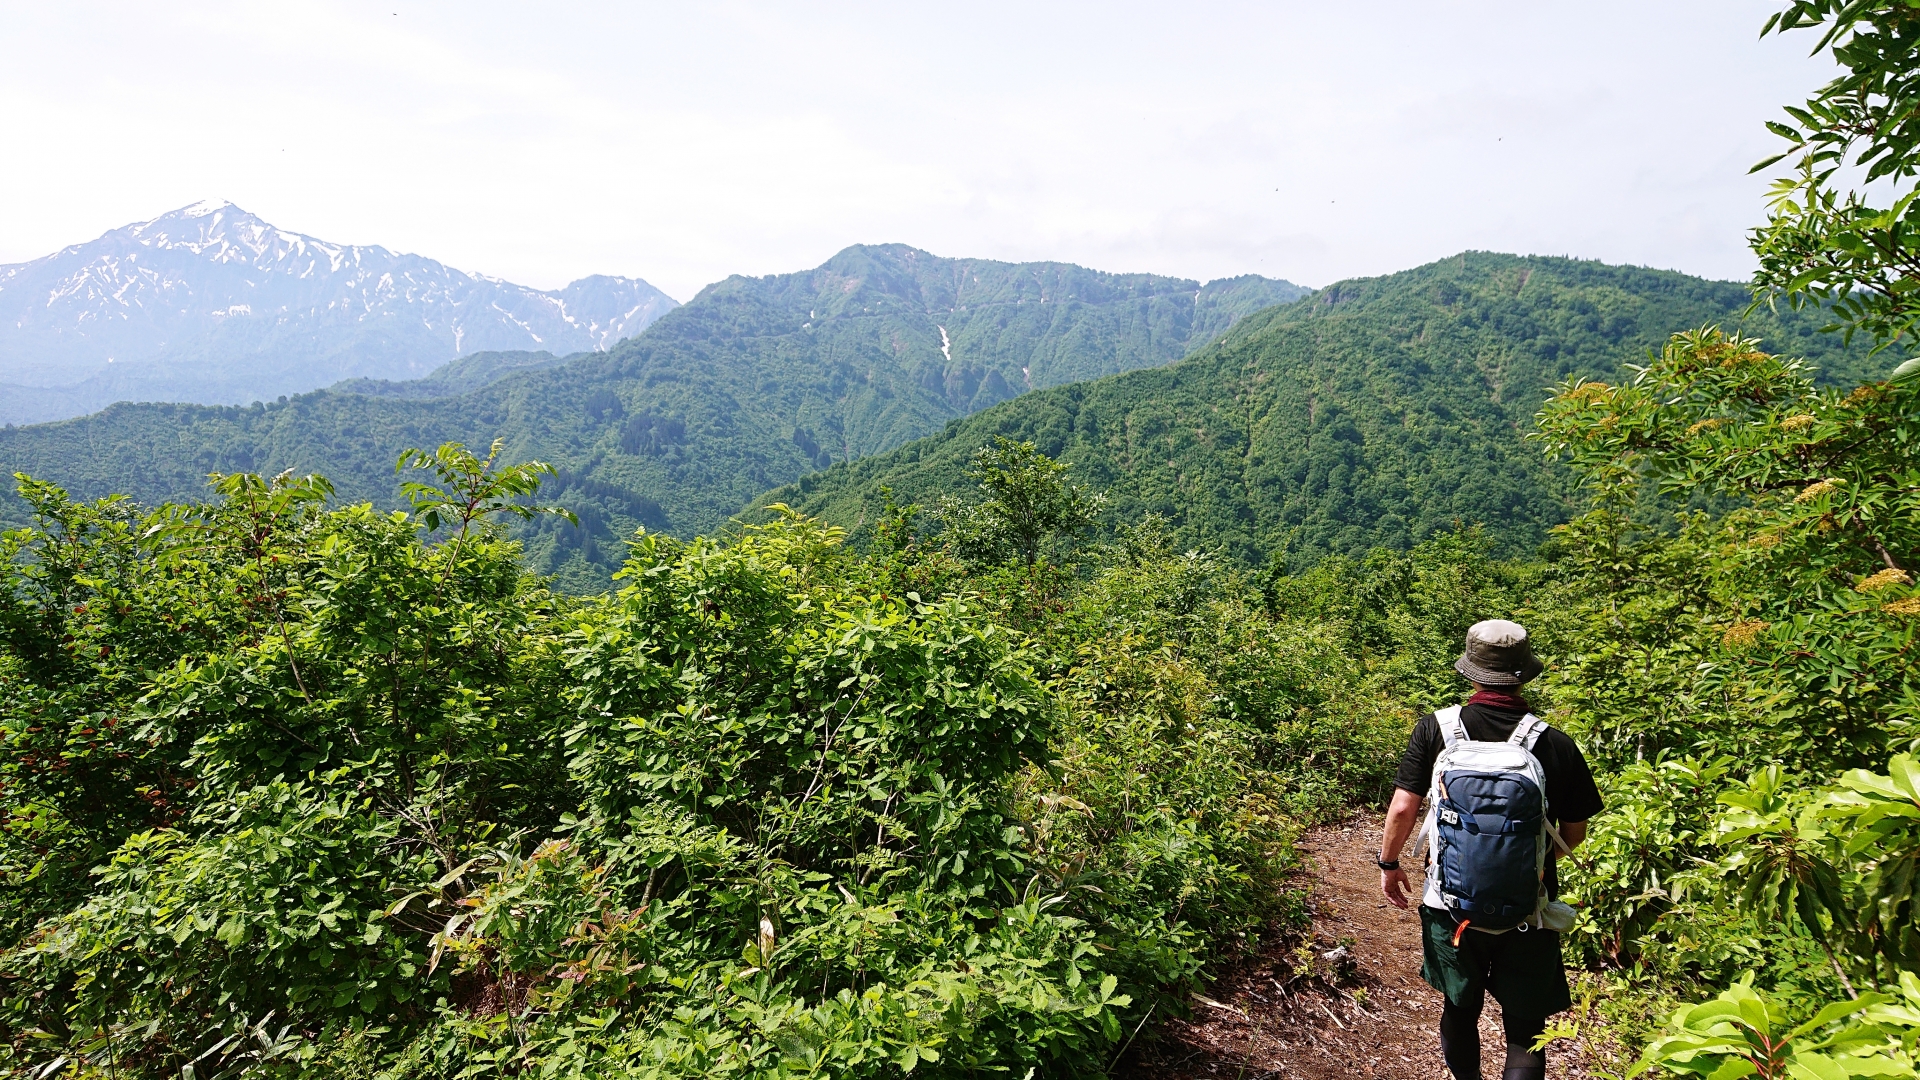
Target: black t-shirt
x,y
1571,793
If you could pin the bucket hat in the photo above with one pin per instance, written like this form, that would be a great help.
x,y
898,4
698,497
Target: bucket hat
x,y
1498,654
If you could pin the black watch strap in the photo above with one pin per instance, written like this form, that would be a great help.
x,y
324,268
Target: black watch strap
x,y
1388,864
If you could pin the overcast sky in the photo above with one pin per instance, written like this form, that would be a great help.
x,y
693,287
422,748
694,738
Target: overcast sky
x,y
685,142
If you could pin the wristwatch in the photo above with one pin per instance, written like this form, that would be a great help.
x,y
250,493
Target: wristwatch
x,y
1388,864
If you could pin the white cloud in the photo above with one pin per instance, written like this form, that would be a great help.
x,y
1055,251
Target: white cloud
x,y
685,142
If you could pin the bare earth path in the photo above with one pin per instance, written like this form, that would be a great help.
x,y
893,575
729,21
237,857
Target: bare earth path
x,y
1306,1008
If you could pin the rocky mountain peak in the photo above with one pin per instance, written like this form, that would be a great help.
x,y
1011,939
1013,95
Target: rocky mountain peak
x,y
211,304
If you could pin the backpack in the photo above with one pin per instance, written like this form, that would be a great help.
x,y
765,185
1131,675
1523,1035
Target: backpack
x,y
1487,830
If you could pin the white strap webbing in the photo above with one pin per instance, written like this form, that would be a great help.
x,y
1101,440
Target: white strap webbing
x,y
1528,731
1452,731
1557,841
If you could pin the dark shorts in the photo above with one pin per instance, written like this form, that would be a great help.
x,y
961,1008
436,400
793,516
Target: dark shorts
x,y
1522,969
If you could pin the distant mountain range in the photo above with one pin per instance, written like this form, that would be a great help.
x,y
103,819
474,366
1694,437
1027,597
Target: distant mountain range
x,y
754,383
1373,414
210,304
1370,413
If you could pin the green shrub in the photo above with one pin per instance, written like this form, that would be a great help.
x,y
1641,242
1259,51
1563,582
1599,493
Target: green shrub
x,y
373,802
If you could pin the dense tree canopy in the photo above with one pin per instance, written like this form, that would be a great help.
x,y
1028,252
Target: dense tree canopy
x,y
1378,413
295,788
755,382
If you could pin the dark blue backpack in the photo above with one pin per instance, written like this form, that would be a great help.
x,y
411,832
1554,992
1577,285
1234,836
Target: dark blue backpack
x,y
1487,827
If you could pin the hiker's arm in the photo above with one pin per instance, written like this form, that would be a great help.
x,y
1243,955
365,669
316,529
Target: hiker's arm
x,y
1572,832
1402,814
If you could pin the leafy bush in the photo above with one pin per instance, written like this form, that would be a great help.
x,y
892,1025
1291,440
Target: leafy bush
x,y
373,802
1773,643
1742,1033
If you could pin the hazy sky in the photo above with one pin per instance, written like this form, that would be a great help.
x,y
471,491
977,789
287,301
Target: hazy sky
x,y
685,142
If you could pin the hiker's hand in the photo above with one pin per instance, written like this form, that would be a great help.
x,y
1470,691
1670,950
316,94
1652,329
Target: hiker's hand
x,y
1393,883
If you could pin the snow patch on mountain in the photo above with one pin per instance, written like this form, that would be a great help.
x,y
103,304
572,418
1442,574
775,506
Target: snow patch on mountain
x,y
211,304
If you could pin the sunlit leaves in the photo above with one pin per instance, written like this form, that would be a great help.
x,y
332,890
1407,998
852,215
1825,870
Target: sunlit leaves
x,y
472,488
1744,1033
1826,241
755,813
1027,502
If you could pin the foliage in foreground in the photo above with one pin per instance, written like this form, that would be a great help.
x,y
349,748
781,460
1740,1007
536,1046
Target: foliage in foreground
x,y
1748,682
1741,1033
297,789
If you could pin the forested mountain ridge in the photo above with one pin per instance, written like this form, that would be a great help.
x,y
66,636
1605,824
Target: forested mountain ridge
x,y
211,304
456,377
968,332
753,383
1376,413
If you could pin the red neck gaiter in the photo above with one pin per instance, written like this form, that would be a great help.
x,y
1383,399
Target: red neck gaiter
x,y
1500,699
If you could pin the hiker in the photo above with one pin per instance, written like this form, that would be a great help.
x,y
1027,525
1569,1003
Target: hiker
x,y
1489,913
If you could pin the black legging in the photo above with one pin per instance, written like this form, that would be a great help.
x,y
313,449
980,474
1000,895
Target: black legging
x,y
1460,1043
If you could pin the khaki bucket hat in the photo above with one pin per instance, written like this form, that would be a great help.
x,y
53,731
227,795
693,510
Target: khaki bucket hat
x,y
1498,654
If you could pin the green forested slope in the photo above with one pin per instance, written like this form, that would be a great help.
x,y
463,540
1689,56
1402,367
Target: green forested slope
x,y
1376,413
754,383
455,377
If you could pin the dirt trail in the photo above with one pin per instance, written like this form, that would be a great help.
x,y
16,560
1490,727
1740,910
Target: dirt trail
x,y
1307,1009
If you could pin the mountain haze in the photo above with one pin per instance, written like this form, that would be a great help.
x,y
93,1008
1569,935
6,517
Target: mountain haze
x,y
753,383
456,377
1375,413
211,304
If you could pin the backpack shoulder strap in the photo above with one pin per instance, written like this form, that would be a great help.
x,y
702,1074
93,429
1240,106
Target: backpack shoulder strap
x,y
1451,729
1528,731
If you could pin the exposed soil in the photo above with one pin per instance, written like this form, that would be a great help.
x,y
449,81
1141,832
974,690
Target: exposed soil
x,y
1343,1002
